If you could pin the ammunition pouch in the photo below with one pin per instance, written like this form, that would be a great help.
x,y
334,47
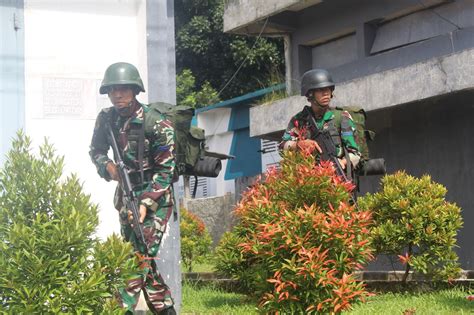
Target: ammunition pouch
x,y
372,167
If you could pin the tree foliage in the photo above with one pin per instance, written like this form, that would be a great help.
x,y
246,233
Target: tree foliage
x,y
213,56
50,261
299,240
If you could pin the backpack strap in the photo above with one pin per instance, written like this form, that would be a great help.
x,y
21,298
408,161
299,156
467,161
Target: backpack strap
x,y
337,111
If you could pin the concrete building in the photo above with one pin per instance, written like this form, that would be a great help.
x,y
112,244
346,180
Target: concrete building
x,y
409,63
53,55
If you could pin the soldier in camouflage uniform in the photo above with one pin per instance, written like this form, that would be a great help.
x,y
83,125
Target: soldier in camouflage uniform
x,y
122,83
318,87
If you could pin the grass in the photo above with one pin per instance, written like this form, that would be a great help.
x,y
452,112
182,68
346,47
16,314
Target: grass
x,y
201,267
211,300
443,302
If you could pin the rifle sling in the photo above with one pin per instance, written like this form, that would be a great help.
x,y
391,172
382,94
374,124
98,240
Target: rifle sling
x,y
141,145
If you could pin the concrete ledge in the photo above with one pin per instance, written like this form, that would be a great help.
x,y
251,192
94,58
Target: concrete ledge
x,y
434,77
394,276
466,275
241,13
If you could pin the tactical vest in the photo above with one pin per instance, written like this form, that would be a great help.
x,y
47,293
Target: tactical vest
x,y
332,126
134,143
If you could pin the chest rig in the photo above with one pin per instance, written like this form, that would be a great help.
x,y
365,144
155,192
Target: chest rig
x,y
135,146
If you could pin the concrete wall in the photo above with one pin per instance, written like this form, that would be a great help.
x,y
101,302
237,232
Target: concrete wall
x,y
216,212
433,137
63,72
240,13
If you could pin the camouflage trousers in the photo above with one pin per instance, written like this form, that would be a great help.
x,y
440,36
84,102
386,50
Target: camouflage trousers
x,y
149,280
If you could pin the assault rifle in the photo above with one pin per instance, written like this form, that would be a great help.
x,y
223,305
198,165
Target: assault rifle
x,y
329,151
131,202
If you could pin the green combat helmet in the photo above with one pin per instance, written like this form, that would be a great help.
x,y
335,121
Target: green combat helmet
x,y
316,79
121,73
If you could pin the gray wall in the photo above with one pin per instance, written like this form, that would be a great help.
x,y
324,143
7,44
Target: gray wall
x,y
12,82
432,137
381,35
216,213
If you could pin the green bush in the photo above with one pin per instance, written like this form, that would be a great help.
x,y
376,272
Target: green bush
x,y
300,240
50,262
413,220
230,260
195,240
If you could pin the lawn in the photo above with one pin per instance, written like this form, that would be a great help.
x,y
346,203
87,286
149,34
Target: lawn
x,y
452,301
210,300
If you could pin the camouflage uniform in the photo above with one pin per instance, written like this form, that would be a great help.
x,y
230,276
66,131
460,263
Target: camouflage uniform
x,y
300,128
155,193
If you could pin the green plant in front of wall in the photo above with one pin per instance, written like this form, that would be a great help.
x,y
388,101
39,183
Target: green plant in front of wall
x,y
299,240
414,221
189,95
50,261
274,78
195,240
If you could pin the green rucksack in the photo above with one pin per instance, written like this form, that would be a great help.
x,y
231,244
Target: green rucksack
x,y
361,135
191,158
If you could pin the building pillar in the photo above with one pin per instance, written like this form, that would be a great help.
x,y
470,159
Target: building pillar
x,y
161,68
12,73
288,68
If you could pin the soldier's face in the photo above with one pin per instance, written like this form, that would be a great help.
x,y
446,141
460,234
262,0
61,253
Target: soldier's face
x,y
121,97
322,96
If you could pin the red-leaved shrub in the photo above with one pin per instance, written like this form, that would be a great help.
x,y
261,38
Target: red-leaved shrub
x,y
301,238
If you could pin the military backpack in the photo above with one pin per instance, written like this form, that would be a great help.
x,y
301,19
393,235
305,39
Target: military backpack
x,y
361,134
191,157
